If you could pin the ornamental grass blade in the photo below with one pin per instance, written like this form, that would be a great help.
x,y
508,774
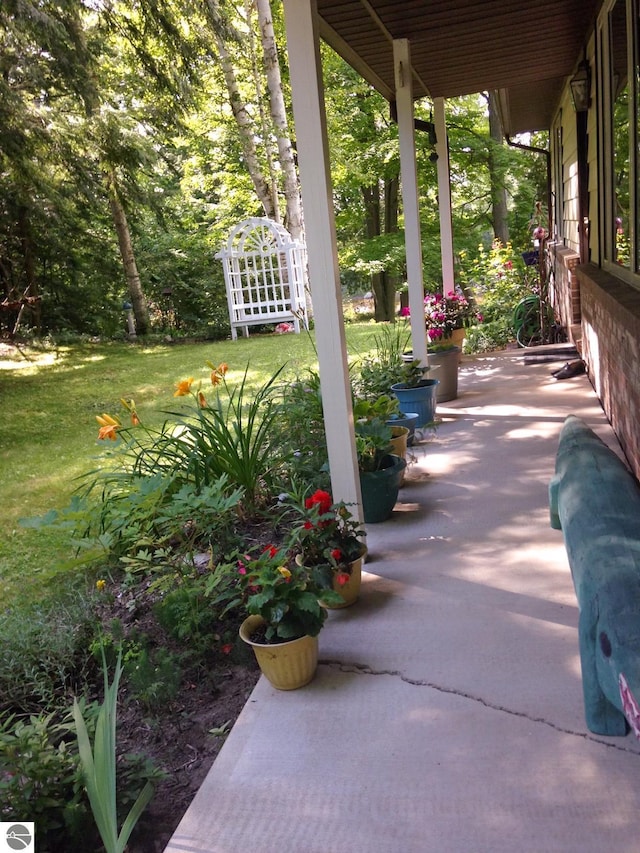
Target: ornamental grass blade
x,y
99,764
132,818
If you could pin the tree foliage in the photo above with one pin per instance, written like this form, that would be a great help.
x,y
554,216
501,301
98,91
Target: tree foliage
x,y
134,136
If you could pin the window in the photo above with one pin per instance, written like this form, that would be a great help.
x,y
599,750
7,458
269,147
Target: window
x,y
620,94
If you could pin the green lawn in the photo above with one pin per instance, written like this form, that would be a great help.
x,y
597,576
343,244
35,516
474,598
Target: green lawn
x,y
49,432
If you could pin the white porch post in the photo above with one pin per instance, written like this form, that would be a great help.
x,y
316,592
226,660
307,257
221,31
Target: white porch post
x,y
409,178
303,47
444,196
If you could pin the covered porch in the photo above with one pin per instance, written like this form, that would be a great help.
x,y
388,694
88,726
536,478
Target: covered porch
x,y
447,712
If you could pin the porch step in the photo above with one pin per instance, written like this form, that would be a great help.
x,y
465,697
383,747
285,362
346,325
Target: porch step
x,y
550,353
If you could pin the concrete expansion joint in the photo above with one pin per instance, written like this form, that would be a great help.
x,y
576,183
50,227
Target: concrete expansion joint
x,y
364,669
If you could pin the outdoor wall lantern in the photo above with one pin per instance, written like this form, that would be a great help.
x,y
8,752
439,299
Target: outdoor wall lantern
x,y
581,87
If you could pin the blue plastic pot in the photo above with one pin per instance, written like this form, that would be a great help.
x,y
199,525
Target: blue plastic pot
x,y
420,398
408,420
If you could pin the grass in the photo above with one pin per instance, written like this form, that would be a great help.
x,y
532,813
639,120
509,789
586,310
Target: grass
x,y
48,429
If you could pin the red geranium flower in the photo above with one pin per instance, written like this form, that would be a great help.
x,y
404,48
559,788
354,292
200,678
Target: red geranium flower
x,y
336,554
342,578
320,499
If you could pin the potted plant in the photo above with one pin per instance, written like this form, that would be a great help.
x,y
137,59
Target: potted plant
x,y
386,366
380,470
417,394
285,617
330,540
386,408
446,357
447,316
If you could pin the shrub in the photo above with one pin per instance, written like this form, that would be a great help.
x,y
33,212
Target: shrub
x,y
40,778
45,653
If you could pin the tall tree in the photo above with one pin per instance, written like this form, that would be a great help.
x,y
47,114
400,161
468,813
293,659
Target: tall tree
x,y
291,185
495,165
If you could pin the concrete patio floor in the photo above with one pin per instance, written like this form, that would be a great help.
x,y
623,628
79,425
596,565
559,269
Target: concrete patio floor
x,y
446,714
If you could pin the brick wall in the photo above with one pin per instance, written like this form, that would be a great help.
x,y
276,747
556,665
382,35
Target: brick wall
x,y
564,288
610,323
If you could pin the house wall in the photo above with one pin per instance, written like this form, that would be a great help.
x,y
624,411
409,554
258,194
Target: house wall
x,y
565,288
600,312
568,230
610,347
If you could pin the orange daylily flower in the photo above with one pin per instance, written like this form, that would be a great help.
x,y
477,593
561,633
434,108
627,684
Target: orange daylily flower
x,y
183,387
108,431
130,406
217,373
108,427
202,400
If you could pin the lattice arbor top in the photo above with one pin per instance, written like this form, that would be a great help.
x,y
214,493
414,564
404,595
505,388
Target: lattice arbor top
x,y
264,276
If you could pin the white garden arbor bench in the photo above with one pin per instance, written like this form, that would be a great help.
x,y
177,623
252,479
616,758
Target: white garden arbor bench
x,y
264,276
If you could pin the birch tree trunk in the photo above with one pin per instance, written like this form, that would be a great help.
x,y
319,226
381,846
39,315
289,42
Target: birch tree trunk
x,y
138,301
294,219
245,127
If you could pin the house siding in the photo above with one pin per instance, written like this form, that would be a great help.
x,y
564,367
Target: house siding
x,y
600,312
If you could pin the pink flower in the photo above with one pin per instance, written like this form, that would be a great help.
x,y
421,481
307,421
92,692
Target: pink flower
x,y
405,312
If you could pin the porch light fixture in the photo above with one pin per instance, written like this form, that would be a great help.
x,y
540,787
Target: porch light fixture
x,y
581,87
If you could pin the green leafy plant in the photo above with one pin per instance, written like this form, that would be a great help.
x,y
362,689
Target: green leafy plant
x,y
387,365
236,438
301,428
327,534
153,675
373,446
499,279
99,768
383,407
39,777
286,595
44,652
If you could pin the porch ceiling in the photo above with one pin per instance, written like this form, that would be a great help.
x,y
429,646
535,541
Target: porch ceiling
x,y
525,50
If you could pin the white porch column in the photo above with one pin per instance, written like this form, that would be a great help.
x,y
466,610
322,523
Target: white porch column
x,y
303,47
444,196
409,180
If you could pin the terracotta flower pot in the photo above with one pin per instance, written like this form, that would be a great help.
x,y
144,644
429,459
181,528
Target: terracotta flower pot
x,y
287,665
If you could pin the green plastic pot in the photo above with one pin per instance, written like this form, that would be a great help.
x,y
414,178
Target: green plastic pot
x,y
380,489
